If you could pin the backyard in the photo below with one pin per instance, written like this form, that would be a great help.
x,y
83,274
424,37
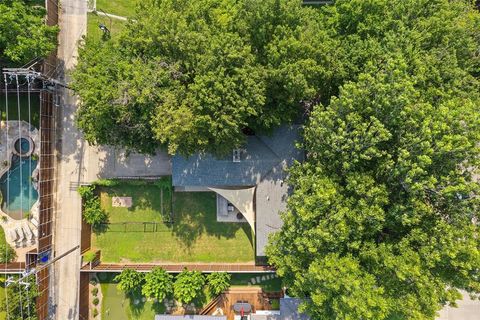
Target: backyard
x,y
123,8
116,305
94,20
193,236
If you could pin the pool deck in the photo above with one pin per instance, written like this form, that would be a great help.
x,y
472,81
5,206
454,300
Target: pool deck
x,y
10,132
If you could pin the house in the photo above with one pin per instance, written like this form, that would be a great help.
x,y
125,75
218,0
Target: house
x,y
288,311
250,183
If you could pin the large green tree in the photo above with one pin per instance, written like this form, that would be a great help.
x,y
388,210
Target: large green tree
x,y
188,286
218,282
158,284
383,221
20,300
130,281
193,75
23,32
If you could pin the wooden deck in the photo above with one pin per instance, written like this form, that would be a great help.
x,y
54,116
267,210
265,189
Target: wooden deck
x,y
255,296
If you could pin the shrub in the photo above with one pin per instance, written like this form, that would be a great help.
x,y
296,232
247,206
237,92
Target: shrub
x,y
7,254
129,280
93,214
164,182
89,256
86,192
93,282
107,182
275,304
218,282
95,291
95,313
188,285
95,301
158,284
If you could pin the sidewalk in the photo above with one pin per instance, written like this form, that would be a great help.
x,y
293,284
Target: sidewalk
x,y
73,24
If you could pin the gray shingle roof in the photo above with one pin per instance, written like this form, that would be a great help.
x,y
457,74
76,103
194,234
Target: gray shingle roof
x,y
259,156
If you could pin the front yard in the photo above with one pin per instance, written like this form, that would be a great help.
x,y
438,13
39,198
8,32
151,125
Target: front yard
x,y
194,236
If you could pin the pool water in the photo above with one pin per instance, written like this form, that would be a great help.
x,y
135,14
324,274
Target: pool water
x,y
21,195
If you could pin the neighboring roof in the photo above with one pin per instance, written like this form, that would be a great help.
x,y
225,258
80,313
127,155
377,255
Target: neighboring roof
x,y
288,311
188,317
258,157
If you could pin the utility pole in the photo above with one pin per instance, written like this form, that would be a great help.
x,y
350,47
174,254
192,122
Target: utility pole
x,y
34,75
34,271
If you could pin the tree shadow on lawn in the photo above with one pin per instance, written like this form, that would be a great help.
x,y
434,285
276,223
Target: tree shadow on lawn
x,y
195,214
137,304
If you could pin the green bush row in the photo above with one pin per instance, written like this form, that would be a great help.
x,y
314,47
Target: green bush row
x,y
159,284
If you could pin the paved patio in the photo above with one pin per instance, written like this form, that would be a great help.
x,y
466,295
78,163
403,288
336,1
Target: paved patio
x,y
115,163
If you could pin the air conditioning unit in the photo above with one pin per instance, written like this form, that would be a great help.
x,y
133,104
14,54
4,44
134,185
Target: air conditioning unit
x,y
236,155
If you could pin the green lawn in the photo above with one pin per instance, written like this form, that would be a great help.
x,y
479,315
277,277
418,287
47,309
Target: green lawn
x,y
194,236
117,306
93,31
3,239
124,8
3,314
13,108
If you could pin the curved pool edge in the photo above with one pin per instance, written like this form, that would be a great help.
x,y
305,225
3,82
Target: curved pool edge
x,y
34,183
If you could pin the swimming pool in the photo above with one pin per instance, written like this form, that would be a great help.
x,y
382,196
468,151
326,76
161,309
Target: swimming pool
x,y
22,146
16,185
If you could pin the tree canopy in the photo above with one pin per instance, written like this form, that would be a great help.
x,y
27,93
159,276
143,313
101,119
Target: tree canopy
x,y
19,303
194,75
158,284
23,32
188,285
383,221
130,281
218,282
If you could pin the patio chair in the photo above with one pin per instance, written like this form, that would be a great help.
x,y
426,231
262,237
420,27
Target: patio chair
x,y
27,231
13,235
19,231
34,222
